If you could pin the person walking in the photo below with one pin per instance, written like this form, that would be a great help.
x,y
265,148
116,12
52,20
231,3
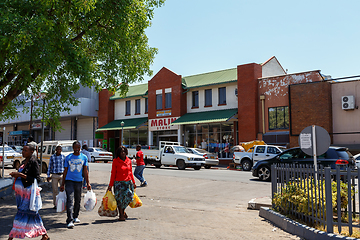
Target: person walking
x,y
56,169
32,142
75,164
85,151
122,180
27,223
140,166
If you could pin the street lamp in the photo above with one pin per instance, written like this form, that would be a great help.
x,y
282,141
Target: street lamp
x,y
122,132
42,96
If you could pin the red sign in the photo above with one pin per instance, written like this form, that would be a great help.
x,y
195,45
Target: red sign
x,y
162,124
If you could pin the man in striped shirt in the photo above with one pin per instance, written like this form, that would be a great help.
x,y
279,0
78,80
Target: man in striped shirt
x,y
56,169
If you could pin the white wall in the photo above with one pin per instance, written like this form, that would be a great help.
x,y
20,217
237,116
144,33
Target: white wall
x,y
231,99
66,133
85,129
272,68
120,108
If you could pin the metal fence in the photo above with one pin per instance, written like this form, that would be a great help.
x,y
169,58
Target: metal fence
x,y
326,197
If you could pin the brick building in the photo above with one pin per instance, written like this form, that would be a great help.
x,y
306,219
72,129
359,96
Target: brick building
x,y
214,110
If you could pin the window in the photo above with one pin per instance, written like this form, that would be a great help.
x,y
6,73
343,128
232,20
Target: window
x,y
137,106
260,149
195,99
158,101
146,105
127,107
167,100
208,97
273,150
278,118
222,96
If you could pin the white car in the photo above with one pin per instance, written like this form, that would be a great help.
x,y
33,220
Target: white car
x,y
100,154
357,160
211,159
12,158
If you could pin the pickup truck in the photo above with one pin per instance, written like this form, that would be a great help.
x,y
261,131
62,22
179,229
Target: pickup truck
x,y
256,153
170,153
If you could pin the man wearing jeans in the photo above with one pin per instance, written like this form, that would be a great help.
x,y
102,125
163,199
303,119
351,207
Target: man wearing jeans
x,y
140,166
75,164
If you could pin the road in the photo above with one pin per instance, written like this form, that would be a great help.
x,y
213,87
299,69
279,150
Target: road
x,y
188,204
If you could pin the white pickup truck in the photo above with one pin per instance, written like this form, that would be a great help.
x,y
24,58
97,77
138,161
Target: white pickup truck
x,y
170,153
256,153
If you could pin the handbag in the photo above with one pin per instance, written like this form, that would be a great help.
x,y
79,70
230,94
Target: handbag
x,y
61,202
136,202
106,213
90,200
35,198
109,201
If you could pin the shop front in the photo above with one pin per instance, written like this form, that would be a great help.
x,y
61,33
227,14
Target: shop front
x,y
18,138
214,131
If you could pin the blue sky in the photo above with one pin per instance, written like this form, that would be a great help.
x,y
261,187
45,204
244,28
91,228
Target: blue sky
x,y
198,36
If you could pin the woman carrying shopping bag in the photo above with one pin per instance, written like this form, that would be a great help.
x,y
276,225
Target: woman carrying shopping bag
x,y
27,223
123,181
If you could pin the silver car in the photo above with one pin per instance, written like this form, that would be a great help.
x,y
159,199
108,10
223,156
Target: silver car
x,y
100,154
211,159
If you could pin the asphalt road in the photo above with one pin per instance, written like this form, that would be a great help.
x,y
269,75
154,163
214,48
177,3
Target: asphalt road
x,y
177,204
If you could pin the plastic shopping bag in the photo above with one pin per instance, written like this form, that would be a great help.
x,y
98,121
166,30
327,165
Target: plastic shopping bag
x,y
136,202
109,201
35,198
61,202
106,213
90,200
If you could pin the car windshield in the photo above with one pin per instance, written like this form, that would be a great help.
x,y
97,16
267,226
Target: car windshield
x,y
7,149
180,149
343,154
67,149
100,150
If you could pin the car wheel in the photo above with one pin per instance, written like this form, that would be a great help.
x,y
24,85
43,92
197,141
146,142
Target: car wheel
x,y
157,165
264,173
197,167
16,164
207,166
246,165
180,164
92,158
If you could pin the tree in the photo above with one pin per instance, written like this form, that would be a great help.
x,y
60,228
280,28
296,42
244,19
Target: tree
x,y
58,45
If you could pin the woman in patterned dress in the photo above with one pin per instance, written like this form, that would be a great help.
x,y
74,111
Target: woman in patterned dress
x,y
26,223
123,181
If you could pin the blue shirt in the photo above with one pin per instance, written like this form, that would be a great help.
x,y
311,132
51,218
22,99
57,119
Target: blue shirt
x,y
75,166
56,164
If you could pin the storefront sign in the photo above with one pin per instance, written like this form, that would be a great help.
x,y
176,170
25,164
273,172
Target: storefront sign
x,y
162,124
36,126
163,113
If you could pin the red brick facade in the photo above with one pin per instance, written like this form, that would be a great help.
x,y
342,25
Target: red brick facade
x,y
310,104
106,112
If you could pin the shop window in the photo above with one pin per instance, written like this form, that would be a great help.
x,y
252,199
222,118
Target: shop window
x,y
222,96
137,106
127,107
195,99
146,105
158,101
278,118
208,97
167,100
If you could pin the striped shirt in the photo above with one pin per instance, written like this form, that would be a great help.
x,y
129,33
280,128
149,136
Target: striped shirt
x,y
56,164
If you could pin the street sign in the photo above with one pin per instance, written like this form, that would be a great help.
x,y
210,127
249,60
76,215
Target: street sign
x,y
306,140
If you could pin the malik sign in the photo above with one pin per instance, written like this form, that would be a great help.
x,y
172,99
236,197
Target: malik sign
x,y
157,124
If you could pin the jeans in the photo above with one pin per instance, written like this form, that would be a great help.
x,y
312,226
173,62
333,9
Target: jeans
x,y
73,192
138,173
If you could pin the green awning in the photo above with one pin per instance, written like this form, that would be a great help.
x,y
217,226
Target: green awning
x,y
206,117
128,124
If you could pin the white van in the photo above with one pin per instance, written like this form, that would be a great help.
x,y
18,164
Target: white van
x,y
49,149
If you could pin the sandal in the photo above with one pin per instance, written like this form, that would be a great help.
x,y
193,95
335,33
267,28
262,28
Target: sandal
x,y
122,219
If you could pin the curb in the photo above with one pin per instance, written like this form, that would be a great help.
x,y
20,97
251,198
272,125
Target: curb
x,y
257,203
296,228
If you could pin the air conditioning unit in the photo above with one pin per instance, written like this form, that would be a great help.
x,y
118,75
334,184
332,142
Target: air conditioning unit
x,y
348,102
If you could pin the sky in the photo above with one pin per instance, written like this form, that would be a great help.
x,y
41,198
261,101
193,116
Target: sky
x,y
199,36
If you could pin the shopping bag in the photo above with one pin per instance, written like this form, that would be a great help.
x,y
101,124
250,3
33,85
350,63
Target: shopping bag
x,y
109,201
136,202
106,213
90,200
61,202
35,198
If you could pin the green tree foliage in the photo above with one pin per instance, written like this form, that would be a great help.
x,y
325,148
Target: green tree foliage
x,y
58,45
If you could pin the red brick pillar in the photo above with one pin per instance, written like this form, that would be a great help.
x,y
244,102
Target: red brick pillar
x,y
248,101
106,112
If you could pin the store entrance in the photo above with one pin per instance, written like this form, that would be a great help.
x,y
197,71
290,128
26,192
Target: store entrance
x,y
168,138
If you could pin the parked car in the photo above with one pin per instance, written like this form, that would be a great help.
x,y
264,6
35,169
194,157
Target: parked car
x,y
211,159
17,148
12,158
357,160
332,157
100,154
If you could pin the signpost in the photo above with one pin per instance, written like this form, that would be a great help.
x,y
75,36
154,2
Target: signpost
x,y
314,141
